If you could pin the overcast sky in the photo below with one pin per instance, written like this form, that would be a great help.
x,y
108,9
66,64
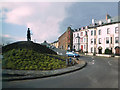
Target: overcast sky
x,y
48,20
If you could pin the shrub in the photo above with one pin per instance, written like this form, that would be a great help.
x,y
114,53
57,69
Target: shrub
x,y
108,51
24,59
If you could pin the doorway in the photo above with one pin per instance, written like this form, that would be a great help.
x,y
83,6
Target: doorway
x,y
100,50
117,50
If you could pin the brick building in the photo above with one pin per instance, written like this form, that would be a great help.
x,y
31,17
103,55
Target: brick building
x,y
55,43
65,41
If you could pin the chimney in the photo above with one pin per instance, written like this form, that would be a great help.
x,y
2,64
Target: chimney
x,y
93,21
100,22
82,28
109,20
86,27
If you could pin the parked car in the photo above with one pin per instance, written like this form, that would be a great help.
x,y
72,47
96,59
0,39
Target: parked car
x,y
72,54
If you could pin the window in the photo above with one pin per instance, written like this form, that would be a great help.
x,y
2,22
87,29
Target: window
x,y
74,35
84,46
107,40
94,50
77,41
91,32
81,33
116,40
81,39
91,49
84,39
74,46
94,41
111,40
99,32
85,32
77,34
116,29
100,41
94,32
108,30
91,41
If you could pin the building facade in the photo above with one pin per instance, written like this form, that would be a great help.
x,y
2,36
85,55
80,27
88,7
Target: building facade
x,y
80,39
55,43
65,41
45,43
104,34
92,40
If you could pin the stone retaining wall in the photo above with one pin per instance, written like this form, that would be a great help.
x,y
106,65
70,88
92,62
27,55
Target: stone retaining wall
x,y
27,74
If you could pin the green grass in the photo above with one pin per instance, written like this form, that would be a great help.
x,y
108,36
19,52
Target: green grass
x,y
27,59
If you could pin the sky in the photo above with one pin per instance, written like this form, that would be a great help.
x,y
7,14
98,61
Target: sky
x,y
48,20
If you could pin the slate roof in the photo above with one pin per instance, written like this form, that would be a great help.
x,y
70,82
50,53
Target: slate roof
x,y
115,19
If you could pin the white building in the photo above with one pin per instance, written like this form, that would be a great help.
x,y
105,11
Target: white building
x,y
80,39
104,34
92,39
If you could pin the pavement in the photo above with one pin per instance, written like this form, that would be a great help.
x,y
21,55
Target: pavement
x,y
100,72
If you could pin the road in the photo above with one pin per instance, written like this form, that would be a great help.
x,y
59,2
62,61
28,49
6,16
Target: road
x,y
59,51
99,73
0,72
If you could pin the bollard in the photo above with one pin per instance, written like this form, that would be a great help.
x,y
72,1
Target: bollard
x,y
73,62
67,62
70,61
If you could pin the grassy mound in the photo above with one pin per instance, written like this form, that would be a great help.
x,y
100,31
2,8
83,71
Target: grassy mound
x,y
25,59
28,45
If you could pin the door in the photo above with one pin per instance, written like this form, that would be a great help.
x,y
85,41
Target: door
x,y
100,51
81,47
117,51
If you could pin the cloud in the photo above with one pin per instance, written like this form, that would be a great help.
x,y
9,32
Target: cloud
x,y
42,18
7,39
18,15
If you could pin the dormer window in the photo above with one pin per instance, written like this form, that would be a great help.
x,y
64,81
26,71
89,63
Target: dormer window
x,y
109,20
100,22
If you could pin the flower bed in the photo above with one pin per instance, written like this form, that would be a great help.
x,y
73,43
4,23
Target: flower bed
x,y
26,59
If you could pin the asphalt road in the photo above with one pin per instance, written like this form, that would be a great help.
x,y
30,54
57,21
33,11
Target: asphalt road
x,y
0,72
59,51
99,73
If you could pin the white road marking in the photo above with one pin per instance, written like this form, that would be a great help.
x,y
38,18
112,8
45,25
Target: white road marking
x,y
92,62
109,63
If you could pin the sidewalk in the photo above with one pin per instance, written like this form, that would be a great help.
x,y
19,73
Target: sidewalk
x,y
99,55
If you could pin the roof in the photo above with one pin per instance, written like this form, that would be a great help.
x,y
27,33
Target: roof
x,y
69,28
45,43
114,20
55,41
